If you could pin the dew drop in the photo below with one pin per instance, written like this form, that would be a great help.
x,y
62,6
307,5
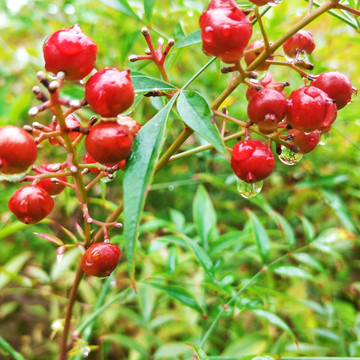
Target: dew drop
x,y
85,351
275,2
208,35
289,157
12,177
107,179
247,190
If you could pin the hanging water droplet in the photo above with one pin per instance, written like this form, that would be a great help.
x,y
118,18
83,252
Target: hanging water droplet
x,y
248,190
12,177
109,178
85,351
289,157
208,35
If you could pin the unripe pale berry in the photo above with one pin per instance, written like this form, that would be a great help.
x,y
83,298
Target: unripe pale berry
x,y
108,142
110,92
225,30
252,160
31,204
266,109
100,259
72,126
70,51
302,41
47,184
249,57
17,150
336,85
305,142
309,109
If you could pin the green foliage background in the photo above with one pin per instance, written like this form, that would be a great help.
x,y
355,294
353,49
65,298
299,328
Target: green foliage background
x,y
312,296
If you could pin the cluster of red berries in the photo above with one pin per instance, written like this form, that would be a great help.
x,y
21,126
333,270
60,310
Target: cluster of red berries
x,y
109,92
305,115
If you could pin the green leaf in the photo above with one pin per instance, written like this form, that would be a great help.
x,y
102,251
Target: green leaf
x,y
178,294
122,6
171,350
12,268
275,320
204,215
292,272
199,352
309,260
138,175
10,350
127,342
262,239
308,229
148,8
172,260
191,39
196,113
144,84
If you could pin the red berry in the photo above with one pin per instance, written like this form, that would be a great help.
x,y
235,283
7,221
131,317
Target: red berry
x,y
267,82
100,259
267,108
309,109
72,125
110,92
305,142
132,125
51,187
17,150
89,160
252,160
108,142
31,204
302,41
336,85
71,51
249,57
225,30
261,2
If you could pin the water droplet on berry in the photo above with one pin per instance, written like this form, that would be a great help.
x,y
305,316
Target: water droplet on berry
x,y
247,190
12,177
85,351
226,30
208,35
289,157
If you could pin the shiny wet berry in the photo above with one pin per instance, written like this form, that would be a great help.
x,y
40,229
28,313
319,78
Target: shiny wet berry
x,y
71,51
253,51
252,160
110,92
306,142
302,41
48,185
336,85
267,82
17,150
100,259
73,126
31,204
266,109
108,142
225,30
309,109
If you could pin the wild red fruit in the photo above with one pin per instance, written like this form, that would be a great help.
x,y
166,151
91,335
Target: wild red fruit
x,y
51,187
225,30
100,259
267,82
73,126
305,142
266,109
252,160
108,142
250,55
31,204
17,150
132,125
302,41
89,160
71,51
309,109
336,85
110,92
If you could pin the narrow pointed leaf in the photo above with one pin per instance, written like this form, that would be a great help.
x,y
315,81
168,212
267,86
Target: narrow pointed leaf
x,y
261,237
148,8
122,6
275,320
292,272
191,39
51,238
204,215
144,84
10,350
199,352
196,113
178,294
138,175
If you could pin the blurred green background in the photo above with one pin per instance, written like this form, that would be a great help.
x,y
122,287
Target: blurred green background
x,y
312,295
